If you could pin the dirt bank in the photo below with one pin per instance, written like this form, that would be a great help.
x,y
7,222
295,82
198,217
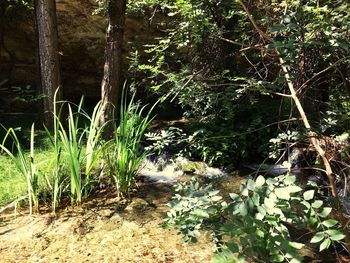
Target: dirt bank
x,y
102,230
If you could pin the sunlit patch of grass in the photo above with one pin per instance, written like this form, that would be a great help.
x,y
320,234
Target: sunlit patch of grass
x,y
12,183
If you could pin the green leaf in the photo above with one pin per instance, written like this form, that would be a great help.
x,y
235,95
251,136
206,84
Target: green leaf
x,y
261,210
216,198
317,204
243,209
219,258
241,258
269,203
308,195
337,237
271,181
201,213
306,205
276,211
243,241
282,193
233,247
256,199
244,190
259,216
329,223
296,245
293,189
335,234
277,258
250,185
317,237
289,179
260,181
325,212
277,28
325,244
234,196
260,233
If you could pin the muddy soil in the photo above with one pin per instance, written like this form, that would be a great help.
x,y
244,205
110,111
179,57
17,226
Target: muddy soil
x,y
101,230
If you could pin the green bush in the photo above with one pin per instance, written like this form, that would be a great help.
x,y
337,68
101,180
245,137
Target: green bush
x,y
255,224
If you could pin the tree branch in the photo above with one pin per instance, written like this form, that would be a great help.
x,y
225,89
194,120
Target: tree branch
x,y
315,76
312,136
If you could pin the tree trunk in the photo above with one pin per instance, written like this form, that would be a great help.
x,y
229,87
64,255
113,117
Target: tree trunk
x,y
112,77
48,55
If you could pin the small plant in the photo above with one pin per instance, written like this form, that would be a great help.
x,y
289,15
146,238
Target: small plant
x,y
26,167
257,221
193,208
122,153
26,94
282,142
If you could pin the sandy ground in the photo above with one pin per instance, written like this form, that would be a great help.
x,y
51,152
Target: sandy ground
x,y
102,230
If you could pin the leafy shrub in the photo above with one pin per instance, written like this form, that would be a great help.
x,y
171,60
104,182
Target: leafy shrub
x,y
198,207
256,224
164,139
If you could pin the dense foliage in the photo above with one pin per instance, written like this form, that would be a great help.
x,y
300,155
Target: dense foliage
x,y
260,224
213,62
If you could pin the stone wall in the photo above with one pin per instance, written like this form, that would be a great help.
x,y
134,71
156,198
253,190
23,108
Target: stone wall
x,y
81,41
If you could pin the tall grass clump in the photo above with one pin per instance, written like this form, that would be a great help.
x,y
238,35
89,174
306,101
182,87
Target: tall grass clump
x,y
77,147
54,176
26,166
123,155
71,140
93,140
68,165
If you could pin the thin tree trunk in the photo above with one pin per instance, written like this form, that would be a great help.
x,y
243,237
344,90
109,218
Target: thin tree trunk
x,y
312,136
112,75
48,55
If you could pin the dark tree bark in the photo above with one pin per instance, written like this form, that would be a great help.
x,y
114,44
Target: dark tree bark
x,y
112,77
48,55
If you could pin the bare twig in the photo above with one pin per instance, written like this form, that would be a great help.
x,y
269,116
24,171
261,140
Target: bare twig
x,y
153,14
315,76
186,83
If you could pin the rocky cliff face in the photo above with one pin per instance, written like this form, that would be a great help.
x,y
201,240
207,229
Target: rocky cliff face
x,y
81,40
